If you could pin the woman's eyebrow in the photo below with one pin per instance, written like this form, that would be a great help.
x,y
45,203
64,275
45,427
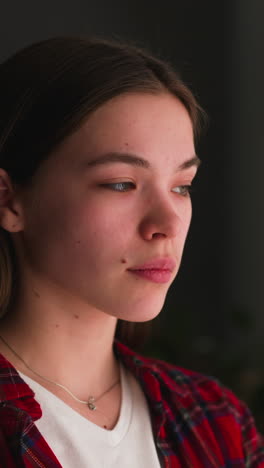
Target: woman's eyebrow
x,y
194,161
134,160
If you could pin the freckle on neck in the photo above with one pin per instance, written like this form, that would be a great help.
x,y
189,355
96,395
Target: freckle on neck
x,y
76,316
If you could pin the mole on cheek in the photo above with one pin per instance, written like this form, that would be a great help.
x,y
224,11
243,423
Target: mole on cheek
x,y
123,260
57,325
36,294
76,316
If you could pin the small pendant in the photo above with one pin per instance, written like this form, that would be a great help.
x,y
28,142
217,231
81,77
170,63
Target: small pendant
x,y
91,404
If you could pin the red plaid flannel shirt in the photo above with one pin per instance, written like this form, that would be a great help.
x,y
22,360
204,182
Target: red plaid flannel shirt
x,y
196,422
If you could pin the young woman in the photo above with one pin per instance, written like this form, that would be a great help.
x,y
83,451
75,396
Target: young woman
x,y
97,154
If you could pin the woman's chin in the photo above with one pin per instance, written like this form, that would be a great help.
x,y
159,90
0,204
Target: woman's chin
x,y
141,314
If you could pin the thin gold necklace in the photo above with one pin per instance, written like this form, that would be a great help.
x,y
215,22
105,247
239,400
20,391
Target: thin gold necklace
x,y
91,403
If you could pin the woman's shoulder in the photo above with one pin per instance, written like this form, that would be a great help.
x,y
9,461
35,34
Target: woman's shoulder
x,y
188,387
198,404
205,389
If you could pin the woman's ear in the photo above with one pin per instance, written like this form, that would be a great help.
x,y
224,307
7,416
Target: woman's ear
x,y
11,213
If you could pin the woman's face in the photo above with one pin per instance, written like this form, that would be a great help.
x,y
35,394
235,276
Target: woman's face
x,y
107,217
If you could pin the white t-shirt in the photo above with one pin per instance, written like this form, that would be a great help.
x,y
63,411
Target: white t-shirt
x,y
80,443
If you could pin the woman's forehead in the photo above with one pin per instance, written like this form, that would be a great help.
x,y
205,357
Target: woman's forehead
x,y
132,123
146,126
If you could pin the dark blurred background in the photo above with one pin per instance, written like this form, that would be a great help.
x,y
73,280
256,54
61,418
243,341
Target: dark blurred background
x,y
213,319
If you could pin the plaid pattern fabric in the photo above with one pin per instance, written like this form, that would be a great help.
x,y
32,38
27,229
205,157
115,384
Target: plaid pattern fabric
x,y
196,422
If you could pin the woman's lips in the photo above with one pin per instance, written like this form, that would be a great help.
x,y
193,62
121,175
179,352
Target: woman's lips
x,y
157,276
157,270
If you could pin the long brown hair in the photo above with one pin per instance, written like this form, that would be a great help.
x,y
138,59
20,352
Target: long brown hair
x,y
47,90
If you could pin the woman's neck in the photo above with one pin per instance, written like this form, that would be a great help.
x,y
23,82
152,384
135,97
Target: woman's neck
x,y
74,349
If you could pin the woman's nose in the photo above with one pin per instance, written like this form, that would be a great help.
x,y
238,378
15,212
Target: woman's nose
x,y
161,219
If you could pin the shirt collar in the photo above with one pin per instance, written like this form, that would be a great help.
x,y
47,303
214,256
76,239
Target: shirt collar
x,y
148,372
12,386
163,372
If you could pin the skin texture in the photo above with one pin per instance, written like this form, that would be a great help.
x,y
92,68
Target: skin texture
x,y
77,233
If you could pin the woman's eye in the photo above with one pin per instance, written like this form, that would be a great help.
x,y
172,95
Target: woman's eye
x,y
120,186
184,190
